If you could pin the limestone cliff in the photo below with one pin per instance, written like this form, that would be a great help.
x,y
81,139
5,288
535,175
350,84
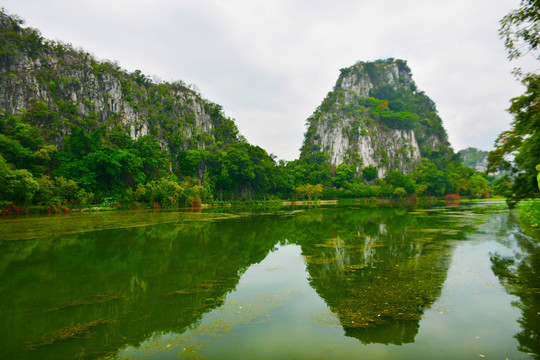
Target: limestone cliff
x,y
375,116
56,87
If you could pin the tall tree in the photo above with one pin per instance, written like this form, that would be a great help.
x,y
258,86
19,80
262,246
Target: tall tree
x,y
518,149
522,142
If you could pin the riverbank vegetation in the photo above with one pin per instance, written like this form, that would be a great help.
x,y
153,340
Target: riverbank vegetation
x,y
111,169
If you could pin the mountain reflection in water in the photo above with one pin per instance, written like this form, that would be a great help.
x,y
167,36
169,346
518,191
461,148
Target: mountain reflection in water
x,y
93,293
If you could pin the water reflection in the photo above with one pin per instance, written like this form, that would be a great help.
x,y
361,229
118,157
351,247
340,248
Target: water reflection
x,y
519,273
90,294
378,269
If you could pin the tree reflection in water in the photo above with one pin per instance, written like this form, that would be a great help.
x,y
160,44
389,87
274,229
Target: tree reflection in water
x,y
520,276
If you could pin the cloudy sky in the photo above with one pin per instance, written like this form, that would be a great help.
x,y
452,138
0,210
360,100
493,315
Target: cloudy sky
x,y
270,63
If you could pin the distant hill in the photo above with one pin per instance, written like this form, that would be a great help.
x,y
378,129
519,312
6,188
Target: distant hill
x,y
475,158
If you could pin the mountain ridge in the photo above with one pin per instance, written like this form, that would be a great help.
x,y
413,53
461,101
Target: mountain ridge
x,y
70,87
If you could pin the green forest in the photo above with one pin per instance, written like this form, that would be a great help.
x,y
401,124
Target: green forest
x,y
98,165
59,154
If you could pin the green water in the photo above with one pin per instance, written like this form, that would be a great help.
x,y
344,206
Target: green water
x,y
297,283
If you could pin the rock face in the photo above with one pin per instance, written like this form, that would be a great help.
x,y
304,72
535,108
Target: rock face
x,y
376,117
57,87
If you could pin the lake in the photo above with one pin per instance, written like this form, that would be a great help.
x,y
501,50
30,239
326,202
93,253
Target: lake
x,y
334,282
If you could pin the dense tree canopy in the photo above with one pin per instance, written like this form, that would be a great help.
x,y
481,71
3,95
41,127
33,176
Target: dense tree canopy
x,y
97,165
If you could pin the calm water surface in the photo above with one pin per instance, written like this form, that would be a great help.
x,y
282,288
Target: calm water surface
x,y
321,283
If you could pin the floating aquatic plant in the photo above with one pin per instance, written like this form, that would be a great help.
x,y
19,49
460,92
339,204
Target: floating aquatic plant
x,y
69,332
399,292
95,299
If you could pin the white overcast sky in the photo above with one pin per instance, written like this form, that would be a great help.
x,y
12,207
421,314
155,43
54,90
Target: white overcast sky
x,y
270,63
